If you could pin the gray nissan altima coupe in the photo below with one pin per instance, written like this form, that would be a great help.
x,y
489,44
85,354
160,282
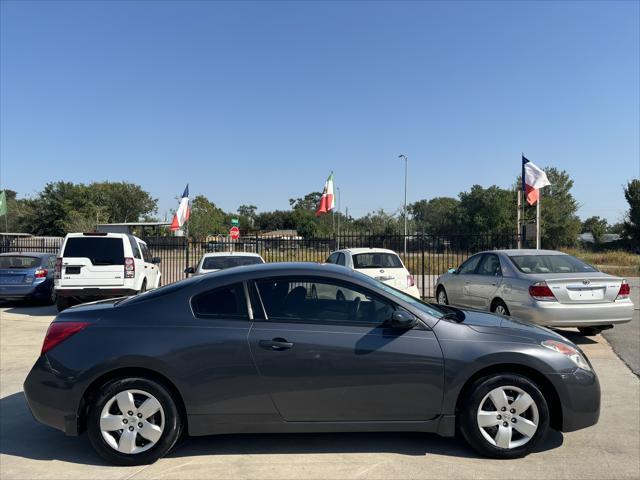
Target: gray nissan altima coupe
x,y
249,349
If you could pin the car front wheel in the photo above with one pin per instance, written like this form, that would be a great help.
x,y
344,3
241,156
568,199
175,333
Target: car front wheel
x,y
442,297
504,416
133,421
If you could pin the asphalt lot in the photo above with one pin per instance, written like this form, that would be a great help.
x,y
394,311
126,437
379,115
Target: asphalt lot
x,y
625,339
610,449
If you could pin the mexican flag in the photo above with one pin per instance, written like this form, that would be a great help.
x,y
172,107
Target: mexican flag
x,y
327,201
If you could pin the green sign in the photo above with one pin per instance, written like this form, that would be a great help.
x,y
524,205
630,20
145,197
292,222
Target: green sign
x,y
235,222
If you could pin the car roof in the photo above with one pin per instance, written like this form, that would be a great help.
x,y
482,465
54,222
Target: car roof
x,y
356,251
99,235
288,268
27,254
525,251
230,254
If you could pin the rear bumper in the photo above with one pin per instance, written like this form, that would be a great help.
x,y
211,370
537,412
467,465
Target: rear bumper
x,y
51,399
95,292
23,292
554,314
579,394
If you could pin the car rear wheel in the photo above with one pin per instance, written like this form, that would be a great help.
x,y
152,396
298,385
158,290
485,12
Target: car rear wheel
x,y
500,308
53,297
441,296
62,303
133,421
143,287
504,416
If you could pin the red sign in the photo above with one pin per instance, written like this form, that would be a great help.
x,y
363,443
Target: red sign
x,y
234,233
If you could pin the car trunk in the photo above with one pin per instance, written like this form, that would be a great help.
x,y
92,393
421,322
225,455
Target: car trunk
x,y
77,271
585,287
18,269
14,276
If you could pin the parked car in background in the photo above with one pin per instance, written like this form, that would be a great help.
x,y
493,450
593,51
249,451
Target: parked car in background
x,y
27,276
249,350
542,286
379,263
97,265
212,262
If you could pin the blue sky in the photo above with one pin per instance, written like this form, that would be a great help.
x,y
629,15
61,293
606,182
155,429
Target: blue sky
x,y
256,102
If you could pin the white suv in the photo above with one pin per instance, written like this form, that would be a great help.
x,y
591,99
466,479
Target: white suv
x,y
91,266
382,264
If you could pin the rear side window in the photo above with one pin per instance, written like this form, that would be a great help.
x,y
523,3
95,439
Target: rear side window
x,y
220,263
134,246
376,260
225,302
19,262
99,250
333,258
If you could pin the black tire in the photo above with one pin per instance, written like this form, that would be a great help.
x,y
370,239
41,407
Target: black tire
x,y
499,303
62,303
143,287
442,293
468,425
590,331
53,297
172,421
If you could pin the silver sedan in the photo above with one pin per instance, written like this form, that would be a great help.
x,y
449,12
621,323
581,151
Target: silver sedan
x,y
542,286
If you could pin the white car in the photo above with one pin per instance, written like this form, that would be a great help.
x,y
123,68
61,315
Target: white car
x,y
212,262
95,265
379,263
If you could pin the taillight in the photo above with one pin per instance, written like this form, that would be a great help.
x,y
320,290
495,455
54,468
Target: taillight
x,y
625,290
57,271
59,332
410,281
41,273
541,291
129,268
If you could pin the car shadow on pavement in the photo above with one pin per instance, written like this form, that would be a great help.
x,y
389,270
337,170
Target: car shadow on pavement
x,y
30,309
576,337
22,436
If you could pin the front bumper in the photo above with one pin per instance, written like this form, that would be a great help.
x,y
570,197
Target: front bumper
x,y
579,394
555,314
52,399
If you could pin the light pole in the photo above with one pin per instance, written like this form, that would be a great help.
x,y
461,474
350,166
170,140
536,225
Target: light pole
x,y
406,166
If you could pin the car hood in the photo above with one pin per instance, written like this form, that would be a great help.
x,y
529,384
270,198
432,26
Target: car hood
x,y
492,323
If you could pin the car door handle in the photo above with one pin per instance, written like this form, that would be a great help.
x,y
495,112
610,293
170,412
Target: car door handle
x,y
277,344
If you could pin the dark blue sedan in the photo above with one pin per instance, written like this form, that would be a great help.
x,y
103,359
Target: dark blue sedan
x,y
27,276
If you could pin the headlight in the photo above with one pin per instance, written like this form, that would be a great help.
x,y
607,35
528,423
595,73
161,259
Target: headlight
x,y
568,351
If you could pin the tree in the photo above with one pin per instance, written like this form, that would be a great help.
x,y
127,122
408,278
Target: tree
x,y
121,201
560,225
438,216
487,210
632,220
309,202
596,226
205,218
17,211
378,222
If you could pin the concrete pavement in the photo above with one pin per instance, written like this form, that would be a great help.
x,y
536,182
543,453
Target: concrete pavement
x,y
610,449
625,338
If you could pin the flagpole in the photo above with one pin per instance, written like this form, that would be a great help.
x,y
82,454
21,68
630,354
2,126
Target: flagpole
x,y
518,230
538,220
338,237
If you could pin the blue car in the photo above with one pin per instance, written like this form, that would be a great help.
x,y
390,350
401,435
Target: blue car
x,y
27,276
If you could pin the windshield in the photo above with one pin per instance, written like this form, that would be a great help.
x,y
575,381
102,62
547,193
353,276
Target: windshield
x,y
376,260
533,264
427,308
19,262
220,263
100,250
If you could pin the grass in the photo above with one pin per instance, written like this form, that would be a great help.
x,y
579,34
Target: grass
x,y
614,262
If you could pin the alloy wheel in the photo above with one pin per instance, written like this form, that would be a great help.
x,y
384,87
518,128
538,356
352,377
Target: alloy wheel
x,y
508,417
500,310
442,297
132,421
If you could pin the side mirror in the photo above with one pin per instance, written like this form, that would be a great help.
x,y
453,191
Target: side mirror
x,y
189,270
403,319
452,270
156,260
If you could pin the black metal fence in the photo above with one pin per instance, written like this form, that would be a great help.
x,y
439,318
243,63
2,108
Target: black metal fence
x,y
427,256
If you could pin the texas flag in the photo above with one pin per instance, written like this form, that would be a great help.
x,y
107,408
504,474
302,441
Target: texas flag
x,y
182,214
533,179
327,200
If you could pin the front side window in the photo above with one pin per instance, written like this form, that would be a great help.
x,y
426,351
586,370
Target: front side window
x,y
146,255
470,265
225,302
490,265
317,300
342,260
376,260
